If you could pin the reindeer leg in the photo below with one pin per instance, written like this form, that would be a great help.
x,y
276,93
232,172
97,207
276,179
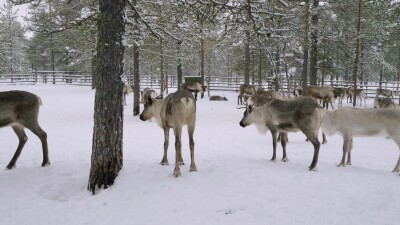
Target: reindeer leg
x,y
346,144
349,152
191,145
273,133
19,130
397,167
164,160
324,141
178,153
283,136
314,140
35,128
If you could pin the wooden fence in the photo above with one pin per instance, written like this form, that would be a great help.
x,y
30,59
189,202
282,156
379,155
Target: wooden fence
x,y
214,84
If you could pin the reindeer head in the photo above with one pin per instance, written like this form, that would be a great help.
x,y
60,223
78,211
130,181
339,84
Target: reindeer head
x,y
147,112
247,116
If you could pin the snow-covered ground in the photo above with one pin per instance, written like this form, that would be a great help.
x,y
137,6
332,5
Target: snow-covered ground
x,y
235,182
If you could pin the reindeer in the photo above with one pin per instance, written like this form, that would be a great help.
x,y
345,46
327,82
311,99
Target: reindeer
x,y
324,93
384,92
146,93
246,90
385,103
339,93
261,97
287,116
360,94
194,87
298,91
126,90
176,110
354,122
218,98
20,109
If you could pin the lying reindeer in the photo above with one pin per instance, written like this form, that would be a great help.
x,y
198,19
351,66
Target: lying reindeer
x,y
146,93
218,98
246,90
385,103
20,109
176,110
194,87
355,122
287,116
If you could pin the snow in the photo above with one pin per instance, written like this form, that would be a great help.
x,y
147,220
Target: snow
x,y
235,182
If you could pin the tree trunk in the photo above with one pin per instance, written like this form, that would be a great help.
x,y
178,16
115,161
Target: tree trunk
x,y
202,60
136,80
247,59
162,80
136,66
179,65
314,44
355,68
106,160
305,50
259,66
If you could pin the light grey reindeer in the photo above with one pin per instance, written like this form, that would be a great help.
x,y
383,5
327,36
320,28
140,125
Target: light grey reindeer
x,y
355,122
194,87
176,110
287,116
20,109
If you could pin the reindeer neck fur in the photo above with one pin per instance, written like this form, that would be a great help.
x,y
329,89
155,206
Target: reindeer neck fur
x,y
156,111
257,117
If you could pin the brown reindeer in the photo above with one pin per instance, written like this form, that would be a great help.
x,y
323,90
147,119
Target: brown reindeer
x,y
245,91
176,110
287,116
324,93
194,87
20,109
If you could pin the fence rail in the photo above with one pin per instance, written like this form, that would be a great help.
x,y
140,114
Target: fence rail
x,y
214,84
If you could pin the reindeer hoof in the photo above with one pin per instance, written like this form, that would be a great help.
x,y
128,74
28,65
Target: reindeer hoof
x,y
396,170
313,169
45,164
10,167
164,163
341,165
324,142
272,160
177,172
193,168
285,159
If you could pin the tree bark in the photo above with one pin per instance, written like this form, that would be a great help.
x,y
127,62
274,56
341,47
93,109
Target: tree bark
x,y
247,59
314,44
355,68
305,50
106,160
179,64
162,80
